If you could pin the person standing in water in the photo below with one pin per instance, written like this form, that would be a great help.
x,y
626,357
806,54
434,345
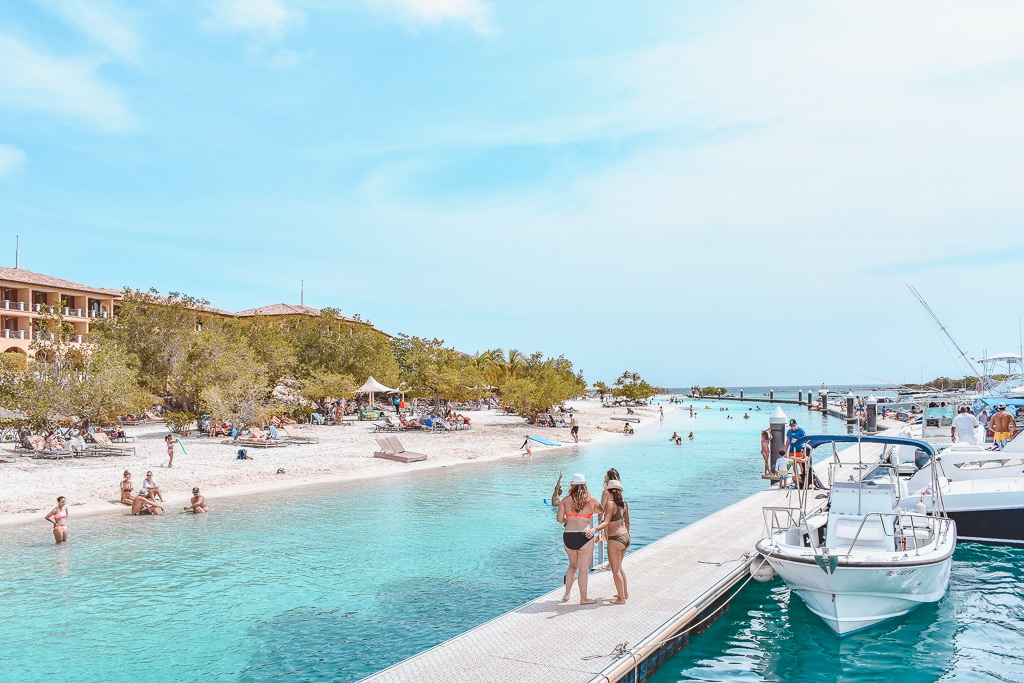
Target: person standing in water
x,y
616,521
556,494
58,517
576,511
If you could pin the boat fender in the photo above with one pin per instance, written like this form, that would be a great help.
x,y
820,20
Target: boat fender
x,y
760,570
920,507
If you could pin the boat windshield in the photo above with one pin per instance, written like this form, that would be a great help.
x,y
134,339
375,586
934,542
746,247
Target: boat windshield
x,y
878,475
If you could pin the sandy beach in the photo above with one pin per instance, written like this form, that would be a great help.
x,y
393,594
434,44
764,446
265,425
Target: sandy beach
x,y
30,486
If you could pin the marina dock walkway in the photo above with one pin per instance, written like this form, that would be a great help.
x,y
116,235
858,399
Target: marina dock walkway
x,y
672,582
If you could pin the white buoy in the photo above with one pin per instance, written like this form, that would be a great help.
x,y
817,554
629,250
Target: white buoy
x,y
920,507
760,570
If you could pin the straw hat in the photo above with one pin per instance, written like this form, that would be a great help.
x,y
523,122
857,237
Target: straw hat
x,y
614,484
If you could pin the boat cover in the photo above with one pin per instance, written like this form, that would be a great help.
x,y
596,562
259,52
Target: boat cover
x,y
815,440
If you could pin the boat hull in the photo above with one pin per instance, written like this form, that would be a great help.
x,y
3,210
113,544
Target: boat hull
x,y
994,527
858,595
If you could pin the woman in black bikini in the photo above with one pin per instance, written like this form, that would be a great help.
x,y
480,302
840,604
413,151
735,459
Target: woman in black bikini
x,y
576,511
616,521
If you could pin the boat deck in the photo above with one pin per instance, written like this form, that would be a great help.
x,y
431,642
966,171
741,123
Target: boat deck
x,y
671,583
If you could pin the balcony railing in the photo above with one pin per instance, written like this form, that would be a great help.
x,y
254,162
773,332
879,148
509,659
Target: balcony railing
x,y
14,334
44,336
14,305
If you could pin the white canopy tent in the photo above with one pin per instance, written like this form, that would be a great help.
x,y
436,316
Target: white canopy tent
x,y
371,387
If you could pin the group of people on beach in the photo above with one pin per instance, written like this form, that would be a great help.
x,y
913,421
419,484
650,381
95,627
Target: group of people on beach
x,y
146,502
576,511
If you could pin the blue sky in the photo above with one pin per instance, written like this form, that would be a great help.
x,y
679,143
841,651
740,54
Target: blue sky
x,y
713,193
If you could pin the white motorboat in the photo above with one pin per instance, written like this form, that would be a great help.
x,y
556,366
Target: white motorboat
x,y
981,489
858,558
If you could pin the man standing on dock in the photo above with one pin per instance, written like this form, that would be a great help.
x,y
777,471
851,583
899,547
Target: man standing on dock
x,y
792,436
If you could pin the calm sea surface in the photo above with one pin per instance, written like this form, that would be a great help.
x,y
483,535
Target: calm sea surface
x,y
334,583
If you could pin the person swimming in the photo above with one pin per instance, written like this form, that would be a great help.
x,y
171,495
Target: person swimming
x,y
674,437
556,494
690,436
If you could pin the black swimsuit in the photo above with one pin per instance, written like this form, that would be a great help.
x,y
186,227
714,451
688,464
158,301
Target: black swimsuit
x,y
575,540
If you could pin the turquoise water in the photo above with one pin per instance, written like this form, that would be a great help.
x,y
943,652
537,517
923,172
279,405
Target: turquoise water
x,y
334,583
973,634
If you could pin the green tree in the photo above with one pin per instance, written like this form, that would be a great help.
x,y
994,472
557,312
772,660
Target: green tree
x,y
432,370
632,386
540,383
157,332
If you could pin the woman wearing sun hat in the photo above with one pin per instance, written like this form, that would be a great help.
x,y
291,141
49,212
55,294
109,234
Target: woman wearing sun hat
x,y
576,511
616,521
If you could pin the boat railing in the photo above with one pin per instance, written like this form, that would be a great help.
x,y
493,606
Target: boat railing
x,y
907,531
784,518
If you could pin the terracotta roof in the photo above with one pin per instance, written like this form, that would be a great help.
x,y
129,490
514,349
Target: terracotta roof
x,y
199,307
280,309
27,277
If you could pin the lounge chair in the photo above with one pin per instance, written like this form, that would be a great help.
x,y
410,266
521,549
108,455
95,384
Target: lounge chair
x,y
386,426
392,449
39,449
105,446
406,424
8,456
294,435
259,439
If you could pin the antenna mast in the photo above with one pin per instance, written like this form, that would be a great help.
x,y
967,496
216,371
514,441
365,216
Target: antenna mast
x,y
17,250
942,328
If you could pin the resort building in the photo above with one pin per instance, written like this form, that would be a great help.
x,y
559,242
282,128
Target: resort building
x,y
286,312
28,296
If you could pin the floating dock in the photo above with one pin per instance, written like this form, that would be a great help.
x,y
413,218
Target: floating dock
x,y
674,584
677,585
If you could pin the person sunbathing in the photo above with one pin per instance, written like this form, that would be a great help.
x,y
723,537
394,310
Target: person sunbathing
x,y
144,506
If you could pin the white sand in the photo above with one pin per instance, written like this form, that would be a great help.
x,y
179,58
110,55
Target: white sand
x,y
29,486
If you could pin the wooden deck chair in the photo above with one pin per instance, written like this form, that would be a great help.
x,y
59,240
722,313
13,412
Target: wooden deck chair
x,y
294,435
392,449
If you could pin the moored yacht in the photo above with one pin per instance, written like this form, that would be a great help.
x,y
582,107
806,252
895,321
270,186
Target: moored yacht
x,y
858,558
981,489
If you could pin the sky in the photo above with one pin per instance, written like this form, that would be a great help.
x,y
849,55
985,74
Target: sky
x,y
728,193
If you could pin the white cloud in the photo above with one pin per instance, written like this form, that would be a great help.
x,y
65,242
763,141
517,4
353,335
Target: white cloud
x,y
477,14
68,86
98,20
264,18
10,159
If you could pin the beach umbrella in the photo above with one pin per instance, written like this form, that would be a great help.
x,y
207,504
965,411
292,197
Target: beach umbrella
x,y
372,386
